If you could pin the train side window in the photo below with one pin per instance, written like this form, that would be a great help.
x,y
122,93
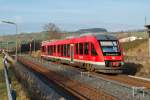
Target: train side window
x,y
65,50
43,48
49,51
54,48
81,48
86,48
62,50
93,51
57,48
68,50
76,45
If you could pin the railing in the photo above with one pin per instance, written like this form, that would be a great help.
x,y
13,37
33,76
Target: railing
x,y
10,92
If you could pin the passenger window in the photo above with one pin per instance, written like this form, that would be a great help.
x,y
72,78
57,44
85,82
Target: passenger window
x,y
62,50
43,48
76,45
58,48
93,51
54,48
65,50
86,48
81,48
49,50
68,50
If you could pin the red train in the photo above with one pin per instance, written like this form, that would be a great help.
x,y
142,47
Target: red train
x,y
95,53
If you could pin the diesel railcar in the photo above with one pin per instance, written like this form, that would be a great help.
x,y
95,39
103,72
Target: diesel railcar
x,y
100,53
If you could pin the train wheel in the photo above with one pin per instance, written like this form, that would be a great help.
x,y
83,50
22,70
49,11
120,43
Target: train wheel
x,y
87,67
82,66
91,68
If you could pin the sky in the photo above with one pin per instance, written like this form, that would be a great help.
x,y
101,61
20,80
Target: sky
x,y
71,15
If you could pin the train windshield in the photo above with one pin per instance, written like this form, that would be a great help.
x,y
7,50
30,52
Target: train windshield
x,y
110,47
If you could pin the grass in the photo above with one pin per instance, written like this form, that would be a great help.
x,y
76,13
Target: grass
x,y
139,50
20,91
131,45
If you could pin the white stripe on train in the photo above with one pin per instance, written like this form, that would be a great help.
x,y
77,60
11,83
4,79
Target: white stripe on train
x,y
83,61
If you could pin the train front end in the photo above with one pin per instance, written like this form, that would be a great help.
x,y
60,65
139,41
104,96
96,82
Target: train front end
x,y
112,54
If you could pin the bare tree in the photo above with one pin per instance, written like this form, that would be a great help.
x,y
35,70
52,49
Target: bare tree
x,y
53,31
51,27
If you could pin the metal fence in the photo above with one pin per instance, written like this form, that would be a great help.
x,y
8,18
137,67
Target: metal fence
x,y
10,92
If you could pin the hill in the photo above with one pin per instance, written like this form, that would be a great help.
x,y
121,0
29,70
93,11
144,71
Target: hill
x,y
92,30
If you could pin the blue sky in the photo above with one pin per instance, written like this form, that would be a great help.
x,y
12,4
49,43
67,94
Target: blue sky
x,y
70,15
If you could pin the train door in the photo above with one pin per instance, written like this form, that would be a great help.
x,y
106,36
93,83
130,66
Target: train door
x,y
72,53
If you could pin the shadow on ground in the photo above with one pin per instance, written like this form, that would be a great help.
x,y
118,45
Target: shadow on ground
x,y
131,68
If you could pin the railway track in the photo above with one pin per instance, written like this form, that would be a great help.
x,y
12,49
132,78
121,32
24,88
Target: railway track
x,y
80,90
116,86
125,79
128,80
122,78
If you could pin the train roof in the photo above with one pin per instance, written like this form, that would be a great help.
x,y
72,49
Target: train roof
x,y
105,37
98,37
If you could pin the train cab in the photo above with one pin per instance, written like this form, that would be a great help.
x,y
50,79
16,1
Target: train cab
x,y
111,51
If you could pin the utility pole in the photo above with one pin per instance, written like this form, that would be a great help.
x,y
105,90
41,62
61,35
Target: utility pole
x,y
148,31
16,28
34,45
31,39
145,20
7,45
30,47
20,42
1,45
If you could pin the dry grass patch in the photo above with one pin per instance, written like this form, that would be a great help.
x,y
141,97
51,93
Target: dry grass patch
x,y
139,50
